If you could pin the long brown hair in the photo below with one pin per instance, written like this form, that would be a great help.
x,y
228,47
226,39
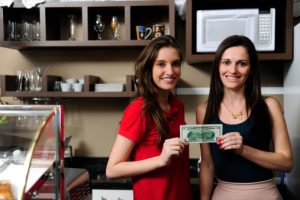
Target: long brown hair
x,y
146,87
252,88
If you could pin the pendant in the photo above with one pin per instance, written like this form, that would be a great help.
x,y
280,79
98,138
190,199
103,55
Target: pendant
x,y
236,115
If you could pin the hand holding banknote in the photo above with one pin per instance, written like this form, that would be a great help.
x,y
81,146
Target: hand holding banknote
x,y
172,147
232,140
201,133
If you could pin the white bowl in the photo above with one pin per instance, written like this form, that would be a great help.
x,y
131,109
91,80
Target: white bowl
x,y
66,87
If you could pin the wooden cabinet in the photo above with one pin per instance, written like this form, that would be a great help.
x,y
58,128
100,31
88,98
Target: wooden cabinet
x,y
284,27
54,27
54,32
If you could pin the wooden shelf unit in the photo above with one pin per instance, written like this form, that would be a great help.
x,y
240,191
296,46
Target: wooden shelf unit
x,y
54,25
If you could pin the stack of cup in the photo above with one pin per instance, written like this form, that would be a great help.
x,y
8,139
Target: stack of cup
x,y
72,84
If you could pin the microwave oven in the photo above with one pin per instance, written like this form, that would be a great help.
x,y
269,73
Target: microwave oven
x,y
213,26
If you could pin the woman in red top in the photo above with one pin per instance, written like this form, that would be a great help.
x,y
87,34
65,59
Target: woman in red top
x,y
148,147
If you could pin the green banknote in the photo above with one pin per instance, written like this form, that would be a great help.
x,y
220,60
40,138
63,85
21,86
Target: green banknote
x,y
201,133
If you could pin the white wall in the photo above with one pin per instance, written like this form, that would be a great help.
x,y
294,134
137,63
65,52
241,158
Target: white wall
x,y
292,113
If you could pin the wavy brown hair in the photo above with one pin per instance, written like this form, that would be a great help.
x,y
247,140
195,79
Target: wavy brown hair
x,y
146,87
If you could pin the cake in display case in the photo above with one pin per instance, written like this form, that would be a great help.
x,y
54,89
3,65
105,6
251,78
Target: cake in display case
x,y
31,152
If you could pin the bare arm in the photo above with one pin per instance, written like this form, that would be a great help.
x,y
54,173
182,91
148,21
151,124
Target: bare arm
x,y
281,158
119,165
206,174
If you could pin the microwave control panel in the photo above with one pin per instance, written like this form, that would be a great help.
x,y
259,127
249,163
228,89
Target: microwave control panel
x,y
266,31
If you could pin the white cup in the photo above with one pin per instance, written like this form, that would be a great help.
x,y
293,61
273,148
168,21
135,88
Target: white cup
x,y
65,87
77,87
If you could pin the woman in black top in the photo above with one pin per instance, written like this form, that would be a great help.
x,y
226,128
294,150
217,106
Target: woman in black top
x,y
241,159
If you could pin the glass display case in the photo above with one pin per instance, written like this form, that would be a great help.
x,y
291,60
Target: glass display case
x,y
31,152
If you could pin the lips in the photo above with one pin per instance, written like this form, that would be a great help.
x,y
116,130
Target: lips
x,y
168,79
230,77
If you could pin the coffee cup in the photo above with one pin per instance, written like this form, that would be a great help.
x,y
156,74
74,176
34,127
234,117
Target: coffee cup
x,y
158,30
143,32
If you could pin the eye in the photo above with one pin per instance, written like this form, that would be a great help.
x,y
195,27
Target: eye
x,y
225,62
243,63
160,64
176,63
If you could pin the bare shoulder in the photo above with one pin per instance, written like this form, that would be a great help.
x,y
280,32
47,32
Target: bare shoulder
x,y
273,104
201,109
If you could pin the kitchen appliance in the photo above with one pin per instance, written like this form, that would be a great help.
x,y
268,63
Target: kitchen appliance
x,y
215,25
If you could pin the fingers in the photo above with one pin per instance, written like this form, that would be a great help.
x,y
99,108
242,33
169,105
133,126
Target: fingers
x,y
171,147
174,146
231,140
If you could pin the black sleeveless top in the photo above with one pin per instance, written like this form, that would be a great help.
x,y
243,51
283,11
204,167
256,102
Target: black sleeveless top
x,y
234,168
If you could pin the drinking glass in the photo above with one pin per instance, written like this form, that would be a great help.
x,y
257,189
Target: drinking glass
x,y
35,30
26,79
56,86
40,72
26,30
38,83
20,76
72,26
115,28
11,30
32,79
99,26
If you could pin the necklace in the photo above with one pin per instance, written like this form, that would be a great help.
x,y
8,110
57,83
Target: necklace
x,y
236,115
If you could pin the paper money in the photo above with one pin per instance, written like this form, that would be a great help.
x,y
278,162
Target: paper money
x,y
201,133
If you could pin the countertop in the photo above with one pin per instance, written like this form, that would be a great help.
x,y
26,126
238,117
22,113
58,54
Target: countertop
x,y
96,168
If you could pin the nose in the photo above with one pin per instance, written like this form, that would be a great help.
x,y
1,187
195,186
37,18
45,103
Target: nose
x,y
169,69
233,68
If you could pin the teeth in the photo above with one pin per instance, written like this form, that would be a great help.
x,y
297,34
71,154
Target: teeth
x,y
232,77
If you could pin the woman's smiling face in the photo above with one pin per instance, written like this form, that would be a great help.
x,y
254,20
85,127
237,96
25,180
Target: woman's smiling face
x,y
234,67
166,68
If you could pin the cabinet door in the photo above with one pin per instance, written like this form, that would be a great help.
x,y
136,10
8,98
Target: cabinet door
x,y
283,27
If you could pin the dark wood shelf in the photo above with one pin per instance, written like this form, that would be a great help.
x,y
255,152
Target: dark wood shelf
x,y
284,27
74,44
51,94
8,88
53,22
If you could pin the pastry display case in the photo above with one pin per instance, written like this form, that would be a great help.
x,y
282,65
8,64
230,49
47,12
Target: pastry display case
x,y
31,152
